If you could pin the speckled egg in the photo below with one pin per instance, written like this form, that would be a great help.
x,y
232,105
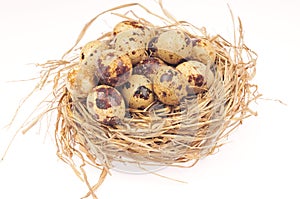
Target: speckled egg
x,y
148,67
106,105
203,51
80,82
171,46
169,85
138,92
199,76
90,52
133,43
113,67
131,25
126,25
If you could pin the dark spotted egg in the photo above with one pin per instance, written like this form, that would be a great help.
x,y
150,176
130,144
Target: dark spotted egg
x,y
80,82
138,92
203,51
169,85
82,78
133,43
171,46
148,67
113,67
199,76
132,25
106,105
90,52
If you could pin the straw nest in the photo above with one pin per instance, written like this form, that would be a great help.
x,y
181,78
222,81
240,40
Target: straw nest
x,y
159,134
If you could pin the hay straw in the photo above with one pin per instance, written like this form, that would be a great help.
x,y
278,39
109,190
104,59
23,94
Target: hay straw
x,y
163,135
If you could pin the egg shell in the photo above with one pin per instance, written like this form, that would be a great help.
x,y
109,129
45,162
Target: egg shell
x,y
169,85
113,67
203,51
106,105
138,92
133,43
90,52
171,46
80,82
199,76
127,25
148,67
134,25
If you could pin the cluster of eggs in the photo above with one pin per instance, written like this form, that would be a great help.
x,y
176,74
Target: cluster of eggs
x,y
138,66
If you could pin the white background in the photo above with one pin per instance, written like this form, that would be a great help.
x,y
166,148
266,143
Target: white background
x,y
261,158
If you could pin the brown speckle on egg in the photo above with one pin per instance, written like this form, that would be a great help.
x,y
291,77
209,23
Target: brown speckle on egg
x,y
198,75
138,92
126,85
142,92
80,81
197,79
171,46
167,76
90,51
102,104
127,25
204,51
187,40
111,121
114,68
90,104
151,46
112,98
106,105
133,43
148,67
168,84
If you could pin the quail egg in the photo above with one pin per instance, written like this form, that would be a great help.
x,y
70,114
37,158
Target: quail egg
x,y
199,76
133,43
171,46
91,51
113,67
80,82
130,25
148,67
106,105
169,85
126,25
138,92
203,51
